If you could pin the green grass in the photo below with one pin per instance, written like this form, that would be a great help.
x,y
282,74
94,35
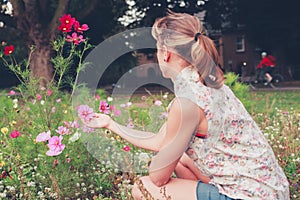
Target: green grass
x,y
276,112
266,101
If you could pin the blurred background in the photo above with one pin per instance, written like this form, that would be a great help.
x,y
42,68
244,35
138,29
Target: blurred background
x,y
241,29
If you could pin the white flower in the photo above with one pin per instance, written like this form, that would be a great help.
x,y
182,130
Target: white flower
x,y
2,195
143,157
42,102
75,137
31,184
157,103
122,105
109,99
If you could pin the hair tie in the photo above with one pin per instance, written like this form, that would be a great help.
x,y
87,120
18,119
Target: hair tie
x,y
197,36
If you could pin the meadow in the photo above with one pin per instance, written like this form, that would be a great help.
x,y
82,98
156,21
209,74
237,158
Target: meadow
x,y
81,171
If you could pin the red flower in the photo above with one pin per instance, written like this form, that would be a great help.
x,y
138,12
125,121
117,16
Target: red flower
x,y
9,50
126,148
14,134
67,22
80,28
67,19
65,28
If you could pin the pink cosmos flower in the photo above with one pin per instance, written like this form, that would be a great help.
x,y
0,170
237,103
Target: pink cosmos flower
x,y
43,137
55,146
73,124
58,100
97,97
130,125
39,97
80,28
15,134
49,92
157,103
143,98
117,112
126,148
62,130
76,39
112,107
53,109
85,112
87,129
104,107
12,92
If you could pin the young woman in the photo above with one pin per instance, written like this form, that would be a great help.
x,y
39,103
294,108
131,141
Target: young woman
x,y
209,140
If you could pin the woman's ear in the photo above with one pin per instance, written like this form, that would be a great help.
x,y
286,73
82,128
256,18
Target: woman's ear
x,y
167,55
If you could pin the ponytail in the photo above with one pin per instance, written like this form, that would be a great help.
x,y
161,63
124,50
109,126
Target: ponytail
x,y
205,58
186,35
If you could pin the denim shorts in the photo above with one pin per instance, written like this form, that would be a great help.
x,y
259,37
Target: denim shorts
x,y
209,192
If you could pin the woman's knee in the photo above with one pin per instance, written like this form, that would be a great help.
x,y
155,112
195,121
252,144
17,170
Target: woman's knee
x,y
136,189
135,192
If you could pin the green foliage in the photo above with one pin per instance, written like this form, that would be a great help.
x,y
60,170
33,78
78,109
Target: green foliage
x,y
241,90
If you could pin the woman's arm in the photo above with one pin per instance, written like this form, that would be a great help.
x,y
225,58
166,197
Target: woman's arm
x,y
183,119
142,139
186,169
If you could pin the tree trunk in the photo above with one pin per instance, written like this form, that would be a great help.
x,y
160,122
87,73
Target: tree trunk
x,y
39,30
40,64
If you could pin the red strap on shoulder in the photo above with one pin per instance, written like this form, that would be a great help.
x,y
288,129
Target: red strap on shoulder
x,y
200,135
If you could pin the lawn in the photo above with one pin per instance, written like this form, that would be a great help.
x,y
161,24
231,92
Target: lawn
x,y
266,101
101,165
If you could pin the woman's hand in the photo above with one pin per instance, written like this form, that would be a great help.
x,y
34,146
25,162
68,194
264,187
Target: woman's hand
x,y
98,121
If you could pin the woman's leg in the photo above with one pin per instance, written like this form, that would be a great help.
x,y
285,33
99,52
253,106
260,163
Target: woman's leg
x,y
175,189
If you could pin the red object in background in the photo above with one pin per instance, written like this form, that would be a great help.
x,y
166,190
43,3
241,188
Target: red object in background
x,y
9,50
15,134
5,174
268,61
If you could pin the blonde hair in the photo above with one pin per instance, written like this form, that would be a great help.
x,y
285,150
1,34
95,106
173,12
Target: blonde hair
x,y
186,35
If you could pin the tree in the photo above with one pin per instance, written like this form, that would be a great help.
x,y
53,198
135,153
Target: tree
x,y
144,12
221,14
36,22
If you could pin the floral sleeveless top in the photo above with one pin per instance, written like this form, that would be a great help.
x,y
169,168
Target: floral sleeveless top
x,y
235,153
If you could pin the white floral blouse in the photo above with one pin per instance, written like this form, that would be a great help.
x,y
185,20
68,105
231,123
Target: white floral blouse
x,y
235,154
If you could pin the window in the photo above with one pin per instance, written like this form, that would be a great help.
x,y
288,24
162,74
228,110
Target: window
x,y
240,43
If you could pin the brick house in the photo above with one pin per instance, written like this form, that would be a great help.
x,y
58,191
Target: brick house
x,y
237,53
